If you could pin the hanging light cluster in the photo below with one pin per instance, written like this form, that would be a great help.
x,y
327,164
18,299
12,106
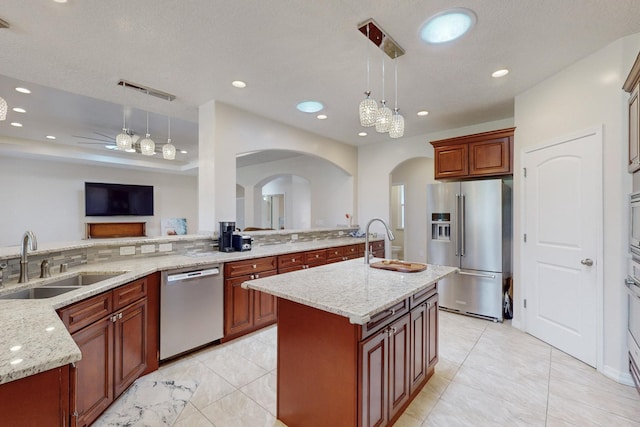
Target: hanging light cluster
x,y
370,114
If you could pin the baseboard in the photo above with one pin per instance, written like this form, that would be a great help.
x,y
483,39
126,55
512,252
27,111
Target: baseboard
x,y
617,376
516,324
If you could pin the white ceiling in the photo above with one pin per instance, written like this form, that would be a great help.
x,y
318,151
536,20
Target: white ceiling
x,y
72,56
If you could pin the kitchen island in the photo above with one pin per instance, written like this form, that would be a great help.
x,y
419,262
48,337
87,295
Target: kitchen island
x,y
355,343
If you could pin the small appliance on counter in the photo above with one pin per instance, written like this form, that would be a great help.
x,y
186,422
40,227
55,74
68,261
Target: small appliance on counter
x,y
225,240
241,243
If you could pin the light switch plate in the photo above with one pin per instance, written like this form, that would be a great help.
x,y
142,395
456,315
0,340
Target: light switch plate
x,y
127,250
147,249
165,247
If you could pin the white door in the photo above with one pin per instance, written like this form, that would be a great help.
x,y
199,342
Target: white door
x,y
563,226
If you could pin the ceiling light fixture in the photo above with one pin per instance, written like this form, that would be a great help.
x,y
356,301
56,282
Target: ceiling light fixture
x,y
500,73
16,124
50,137
362,134
3,109
383,115
422,113
396,127
368,108
321,117
19,110
309,106
448,25
239,84
168,149
147,146
23,90
123,139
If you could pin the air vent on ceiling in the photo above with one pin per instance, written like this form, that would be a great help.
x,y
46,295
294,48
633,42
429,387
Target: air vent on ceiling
x,y
147,90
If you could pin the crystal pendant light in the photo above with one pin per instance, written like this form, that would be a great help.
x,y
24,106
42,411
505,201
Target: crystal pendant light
x,y
3,109
396,127
383,119
368,107
123,140
168,149
147,146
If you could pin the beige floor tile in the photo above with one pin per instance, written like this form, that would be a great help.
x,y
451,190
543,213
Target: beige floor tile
x,y
571,411
407,420
237,370
212,387
238,410
437,384
422,405
263,392
195,419
447,368
263,355
189,409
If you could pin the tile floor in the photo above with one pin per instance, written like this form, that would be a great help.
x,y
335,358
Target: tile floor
x,y
489,374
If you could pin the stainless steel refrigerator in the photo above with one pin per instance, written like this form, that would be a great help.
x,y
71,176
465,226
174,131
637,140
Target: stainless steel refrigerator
x,y
469,227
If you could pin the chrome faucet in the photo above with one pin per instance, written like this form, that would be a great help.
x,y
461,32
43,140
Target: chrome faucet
x,y
29,241
366,238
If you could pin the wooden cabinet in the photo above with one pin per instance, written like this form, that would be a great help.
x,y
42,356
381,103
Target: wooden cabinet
x,y
37,400
424,340
335,254
301,260
632,86
112,332
247,310
478,155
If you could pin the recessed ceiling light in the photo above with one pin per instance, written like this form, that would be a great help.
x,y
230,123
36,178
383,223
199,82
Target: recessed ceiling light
x,y
16,124
111,147
183,151
423,113
321,117
50,137
16,361
448,25
310,106
19,110
60,1
499,73
239,84
128,150
362,134
23,90
15,348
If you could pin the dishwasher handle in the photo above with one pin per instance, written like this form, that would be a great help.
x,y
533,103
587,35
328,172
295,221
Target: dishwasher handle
x,y
192,275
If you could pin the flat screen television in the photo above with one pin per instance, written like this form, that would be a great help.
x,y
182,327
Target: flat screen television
x,y
102,199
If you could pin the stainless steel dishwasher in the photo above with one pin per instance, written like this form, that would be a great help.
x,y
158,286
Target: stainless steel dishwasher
x,y
191,309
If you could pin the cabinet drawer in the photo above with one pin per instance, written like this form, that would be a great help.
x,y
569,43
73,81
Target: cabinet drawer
x,y
337,252
314,258
382,319
421,296
290,260
81,314
377,245
250,266
125,295
351,251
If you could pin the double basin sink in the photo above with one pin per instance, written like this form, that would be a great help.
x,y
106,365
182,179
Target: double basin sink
x,y
60,286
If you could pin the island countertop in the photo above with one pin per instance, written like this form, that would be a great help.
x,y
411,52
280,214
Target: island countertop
x,y
351,289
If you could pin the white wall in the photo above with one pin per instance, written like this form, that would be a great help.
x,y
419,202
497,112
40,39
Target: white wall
x,y
377,161
585,95
48,197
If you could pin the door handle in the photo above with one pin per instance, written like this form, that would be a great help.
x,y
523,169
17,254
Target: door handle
x,y
587,261
486,276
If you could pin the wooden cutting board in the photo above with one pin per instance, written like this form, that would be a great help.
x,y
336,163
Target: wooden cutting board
x,y
395,265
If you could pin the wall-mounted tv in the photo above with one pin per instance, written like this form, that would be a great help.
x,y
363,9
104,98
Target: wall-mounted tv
x,y
102,199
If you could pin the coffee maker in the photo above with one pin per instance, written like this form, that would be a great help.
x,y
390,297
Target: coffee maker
x,y
225,241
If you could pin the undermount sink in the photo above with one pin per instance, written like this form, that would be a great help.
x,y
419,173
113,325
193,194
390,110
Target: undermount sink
x,y
39,292
82,279
61,286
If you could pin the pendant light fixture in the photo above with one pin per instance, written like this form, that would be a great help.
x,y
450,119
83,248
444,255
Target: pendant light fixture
x,y
396,127
368,107
383,120
123,140
147,146
3,109
168,149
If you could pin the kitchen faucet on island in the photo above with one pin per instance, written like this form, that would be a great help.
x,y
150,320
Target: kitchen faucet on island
x,y
366,237
29,241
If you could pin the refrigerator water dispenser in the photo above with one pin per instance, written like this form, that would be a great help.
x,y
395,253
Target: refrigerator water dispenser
x,y
441,226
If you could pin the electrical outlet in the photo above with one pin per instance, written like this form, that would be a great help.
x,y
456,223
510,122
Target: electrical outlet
x,y
147,249
127,250
294,237
165,247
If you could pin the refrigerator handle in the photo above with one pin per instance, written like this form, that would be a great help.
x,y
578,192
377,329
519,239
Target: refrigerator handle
x,y
457,216
462,225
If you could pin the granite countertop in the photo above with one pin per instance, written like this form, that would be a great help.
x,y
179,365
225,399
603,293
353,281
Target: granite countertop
x,y
351,289
33,339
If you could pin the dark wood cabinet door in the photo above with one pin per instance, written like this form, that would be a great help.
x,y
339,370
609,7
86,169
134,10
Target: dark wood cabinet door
x,y
92,378
265,308
153,323
38,400
375,380
130,349
238,306
418,369
399,365
451,161
432,332
492,157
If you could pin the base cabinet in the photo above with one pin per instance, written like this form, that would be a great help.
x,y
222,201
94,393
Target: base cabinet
x,y
38,400
114,348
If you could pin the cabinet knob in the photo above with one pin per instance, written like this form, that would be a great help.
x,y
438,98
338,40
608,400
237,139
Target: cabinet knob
x,y
254,266
293,260
253,276
317,256
257,276
392,311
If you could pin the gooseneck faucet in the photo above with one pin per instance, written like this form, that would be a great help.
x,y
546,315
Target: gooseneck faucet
x,y
366,237
29,241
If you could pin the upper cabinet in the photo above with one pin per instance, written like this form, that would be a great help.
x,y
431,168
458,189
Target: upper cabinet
x,y
631,85
479,155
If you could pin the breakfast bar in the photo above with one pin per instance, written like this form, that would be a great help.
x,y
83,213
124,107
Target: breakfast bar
x,y
355,343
